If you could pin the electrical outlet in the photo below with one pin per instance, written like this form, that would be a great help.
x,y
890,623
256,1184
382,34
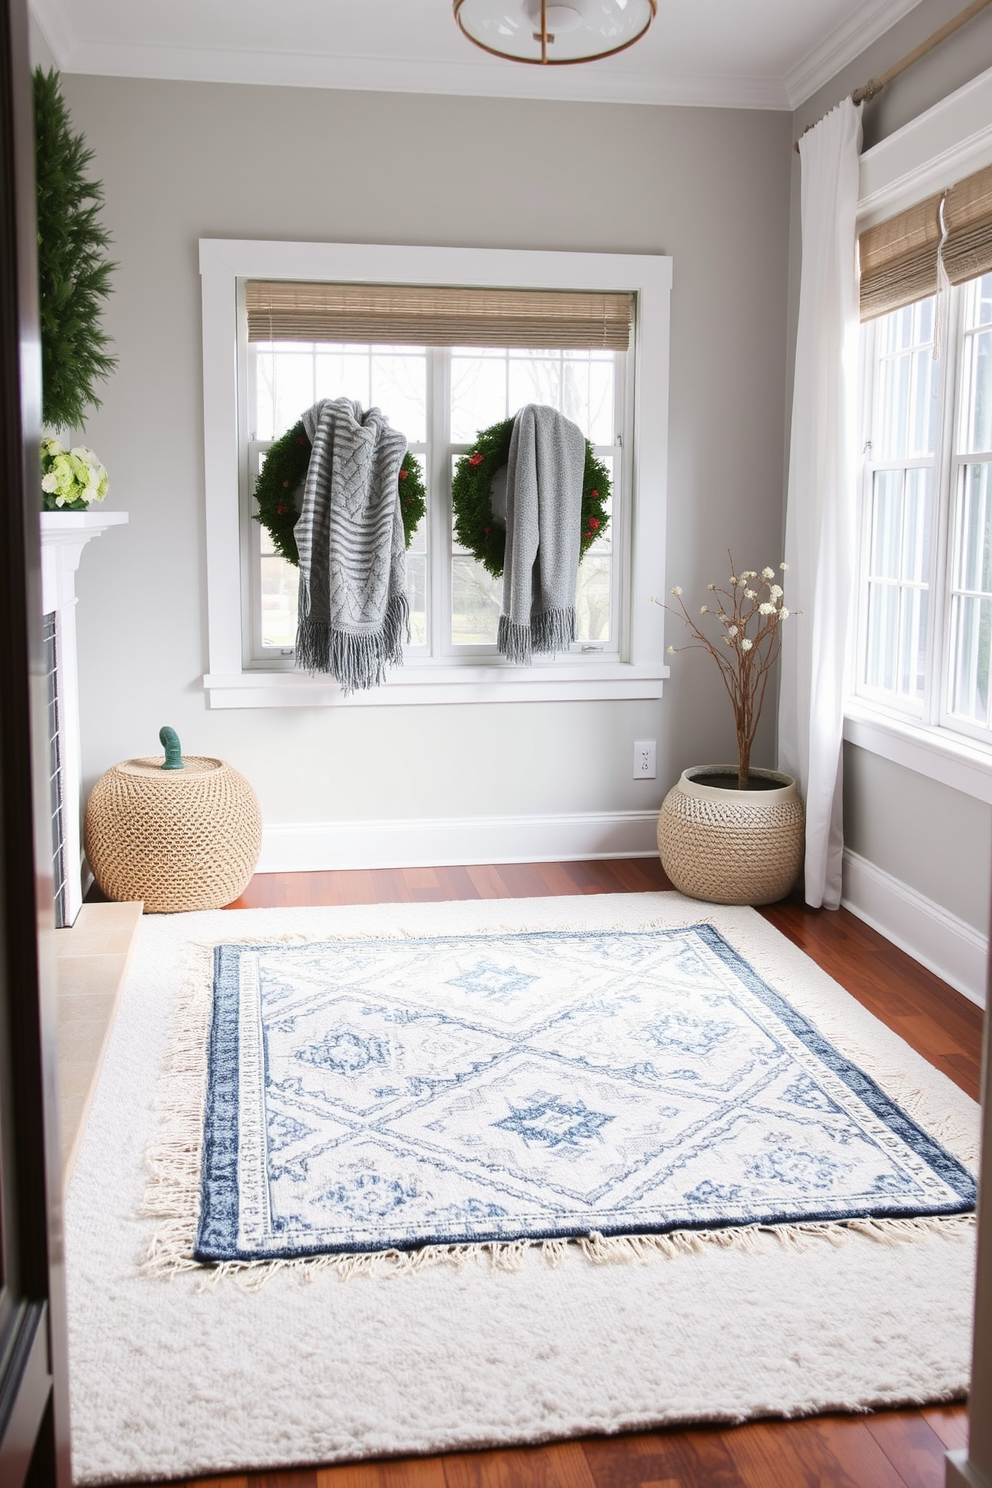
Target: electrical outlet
x,y
645,759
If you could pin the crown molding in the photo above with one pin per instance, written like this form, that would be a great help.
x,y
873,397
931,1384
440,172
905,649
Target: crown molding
x,y
603,84
946,143
842,45
52,20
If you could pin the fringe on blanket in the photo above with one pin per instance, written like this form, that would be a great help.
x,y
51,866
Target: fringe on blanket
x,y
358,661
554,630
173,1191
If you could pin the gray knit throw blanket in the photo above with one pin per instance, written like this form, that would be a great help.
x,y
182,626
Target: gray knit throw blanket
x,y
353,610
544,473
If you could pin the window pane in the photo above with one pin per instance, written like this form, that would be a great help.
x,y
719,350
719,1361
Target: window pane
x,y
899,571
475,603
343,372
913,642
265,406
592,600
971,627
534,378
883,630
905,424
885,524
399,388
974,565
294,388
478,394
917,526
280,586
978,394
416,591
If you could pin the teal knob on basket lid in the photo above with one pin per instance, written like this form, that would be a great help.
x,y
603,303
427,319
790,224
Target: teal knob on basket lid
x,y
173,753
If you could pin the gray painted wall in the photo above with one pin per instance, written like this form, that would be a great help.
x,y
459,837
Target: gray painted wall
x,y
180,161
933,838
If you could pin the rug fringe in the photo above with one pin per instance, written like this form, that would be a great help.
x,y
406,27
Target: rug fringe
x,y
172,1194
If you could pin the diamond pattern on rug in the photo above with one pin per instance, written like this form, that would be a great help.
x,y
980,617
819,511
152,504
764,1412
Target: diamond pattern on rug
x,y
387,1093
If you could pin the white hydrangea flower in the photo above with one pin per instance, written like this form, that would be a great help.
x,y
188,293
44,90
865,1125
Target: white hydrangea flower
x,y
732,631
767,573
711,587
671,650
766,609
749,594
746,644
733,580
783,613
784,567
704,609
49,483
677,590
776,591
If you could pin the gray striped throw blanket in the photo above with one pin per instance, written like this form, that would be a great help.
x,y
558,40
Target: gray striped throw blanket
x,y
353,611
543,525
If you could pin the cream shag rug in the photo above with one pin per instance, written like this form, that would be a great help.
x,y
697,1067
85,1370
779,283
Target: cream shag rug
x,y
173,1377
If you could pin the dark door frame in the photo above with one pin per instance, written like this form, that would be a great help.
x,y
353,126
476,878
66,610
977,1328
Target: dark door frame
x,y
34,1418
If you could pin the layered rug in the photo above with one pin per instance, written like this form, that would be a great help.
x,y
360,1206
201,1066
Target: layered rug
x,y
381,1180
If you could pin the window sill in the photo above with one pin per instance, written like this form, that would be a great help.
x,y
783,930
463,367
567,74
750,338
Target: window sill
x,y
420,685
948,758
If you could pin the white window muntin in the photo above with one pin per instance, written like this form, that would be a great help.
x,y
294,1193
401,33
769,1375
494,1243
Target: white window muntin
x,y
947,640
437,455
637,671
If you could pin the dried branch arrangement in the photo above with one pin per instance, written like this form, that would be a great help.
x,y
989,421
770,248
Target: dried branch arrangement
x,y
746,647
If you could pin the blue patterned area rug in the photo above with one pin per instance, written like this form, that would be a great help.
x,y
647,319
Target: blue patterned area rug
x,y
398,1093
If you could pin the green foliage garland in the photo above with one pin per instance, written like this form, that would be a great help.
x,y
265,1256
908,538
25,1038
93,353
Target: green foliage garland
x,y
479,530
285,472
73,268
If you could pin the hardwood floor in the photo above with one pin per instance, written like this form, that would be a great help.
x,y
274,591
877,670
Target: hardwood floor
x,y
885,1449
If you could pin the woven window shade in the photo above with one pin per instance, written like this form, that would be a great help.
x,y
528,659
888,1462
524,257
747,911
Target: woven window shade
x,y
416,315
899,257
968,214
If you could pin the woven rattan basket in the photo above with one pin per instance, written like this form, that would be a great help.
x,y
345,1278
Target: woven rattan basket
x,y
178,839
730,846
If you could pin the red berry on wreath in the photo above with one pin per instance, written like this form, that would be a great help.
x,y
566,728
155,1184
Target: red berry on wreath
x,y
286,484
300,439
404,474
281,508
593,523
477,458
485,529
593,493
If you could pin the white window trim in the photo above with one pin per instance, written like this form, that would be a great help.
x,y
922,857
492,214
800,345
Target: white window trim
x,y
639,671
940,146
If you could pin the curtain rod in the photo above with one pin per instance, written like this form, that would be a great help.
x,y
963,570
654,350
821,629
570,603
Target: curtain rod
x,y
875,85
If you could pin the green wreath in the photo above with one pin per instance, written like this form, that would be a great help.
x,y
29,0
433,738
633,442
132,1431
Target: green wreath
x,y
285,471
476,526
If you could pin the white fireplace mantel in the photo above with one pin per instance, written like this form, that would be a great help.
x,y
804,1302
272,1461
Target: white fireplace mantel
x,y
64,535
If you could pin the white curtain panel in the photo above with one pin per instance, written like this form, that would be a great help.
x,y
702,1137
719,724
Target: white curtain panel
x,y
820,516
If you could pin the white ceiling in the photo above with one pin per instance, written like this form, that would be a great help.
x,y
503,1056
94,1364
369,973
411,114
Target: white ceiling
x,y
723,53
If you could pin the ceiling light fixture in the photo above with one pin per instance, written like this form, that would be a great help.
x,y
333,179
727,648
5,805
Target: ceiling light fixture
x,y
554,32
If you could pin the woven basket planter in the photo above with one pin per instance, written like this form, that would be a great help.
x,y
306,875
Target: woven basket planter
x,y
732,846
178,839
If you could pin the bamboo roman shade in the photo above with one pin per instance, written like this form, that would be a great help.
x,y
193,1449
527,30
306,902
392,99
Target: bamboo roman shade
x,y
899,257
418,315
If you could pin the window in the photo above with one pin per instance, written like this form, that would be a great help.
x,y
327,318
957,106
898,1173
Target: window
x,y
439,395
925,623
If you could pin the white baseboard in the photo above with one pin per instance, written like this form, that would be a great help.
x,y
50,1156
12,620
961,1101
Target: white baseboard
x,y
939,940
314,846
